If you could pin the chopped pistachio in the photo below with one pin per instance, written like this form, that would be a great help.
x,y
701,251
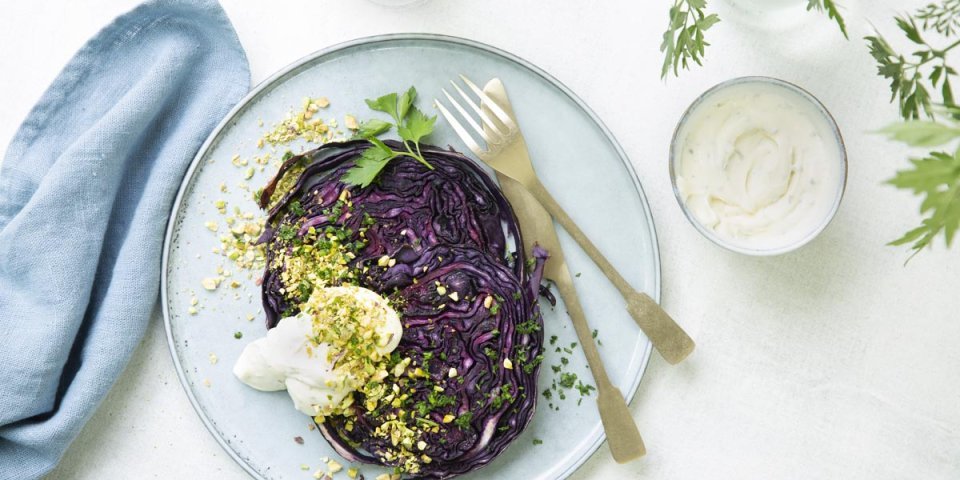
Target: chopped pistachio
x,y
448,418
488,302
452,373
352,472
351,122
507,364
212,226
210,283
454,296
334,466
383,261
213,358
192,310
441,290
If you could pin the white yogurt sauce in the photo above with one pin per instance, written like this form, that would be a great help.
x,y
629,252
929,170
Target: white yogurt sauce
x,y
759,165
287,358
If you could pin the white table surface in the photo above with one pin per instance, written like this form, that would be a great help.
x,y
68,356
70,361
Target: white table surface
x,y
835,361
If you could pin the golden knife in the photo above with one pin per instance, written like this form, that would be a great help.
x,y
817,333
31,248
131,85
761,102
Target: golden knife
x,y
537,227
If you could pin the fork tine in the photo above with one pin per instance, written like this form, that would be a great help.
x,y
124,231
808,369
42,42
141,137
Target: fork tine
x,y
497,111
469,119
461,132
483,115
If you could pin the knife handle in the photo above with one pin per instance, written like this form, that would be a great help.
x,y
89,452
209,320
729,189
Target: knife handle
x,y
666,336
623,436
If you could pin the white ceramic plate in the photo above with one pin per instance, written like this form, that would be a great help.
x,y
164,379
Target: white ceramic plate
x,y
580,163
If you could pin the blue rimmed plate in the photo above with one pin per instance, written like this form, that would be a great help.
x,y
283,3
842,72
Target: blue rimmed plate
x,y
577,158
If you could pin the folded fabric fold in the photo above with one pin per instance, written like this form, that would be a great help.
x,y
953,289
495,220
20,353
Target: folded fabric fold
x,y
86,188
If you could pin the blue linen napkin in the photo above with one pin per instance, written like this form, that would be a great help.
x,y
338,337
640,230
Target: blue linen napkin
x,y
85,191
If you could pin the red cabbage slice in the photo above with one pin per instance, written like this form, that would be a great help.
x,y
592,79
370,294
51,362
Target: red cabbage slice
x,y
449,226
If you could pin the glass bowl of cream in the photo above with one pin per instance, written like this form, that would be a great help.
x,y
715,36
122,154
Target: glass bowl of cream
x,y
758,165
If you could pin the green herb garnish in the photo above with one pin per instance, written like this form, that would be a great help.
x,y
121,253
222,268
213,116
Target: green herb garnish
x,y
528,327
913,78
287,232
944,18
463,421
936,177
412,125
567,379
830,8
683,41
585,389
921,85
528,368
297,209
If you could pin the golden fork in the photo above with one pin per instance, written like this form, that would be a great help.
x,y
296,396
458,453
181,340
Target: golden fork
x,y
537,227
506,152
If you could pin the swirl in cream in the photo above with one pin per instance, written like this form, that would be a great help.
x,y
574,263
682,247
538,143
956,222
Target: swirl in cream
x,y
758,164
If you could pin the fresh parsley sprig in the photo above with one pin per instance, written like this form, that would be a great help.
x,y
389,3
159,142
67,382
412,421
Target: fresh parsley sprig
x,y
412,125
944,18
832,11
683,41
914,77
936,175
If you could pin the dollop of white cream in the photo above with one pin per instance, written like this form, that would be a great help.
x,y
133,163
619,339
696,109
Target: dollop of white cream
x,y
287,358
759,164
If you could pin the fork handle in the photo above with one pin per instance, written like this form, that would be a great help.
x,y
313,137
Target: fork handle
x,y
666,336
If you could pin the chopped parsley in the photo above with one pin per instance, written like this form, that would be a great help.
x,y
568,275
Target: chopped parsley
x,y
463,421
287,232
528,327
567,379
528,367
438,400
296,208
585,389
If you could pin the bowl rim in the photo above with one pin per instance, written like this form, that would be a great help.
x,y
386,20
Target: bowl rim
x,y
727,243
